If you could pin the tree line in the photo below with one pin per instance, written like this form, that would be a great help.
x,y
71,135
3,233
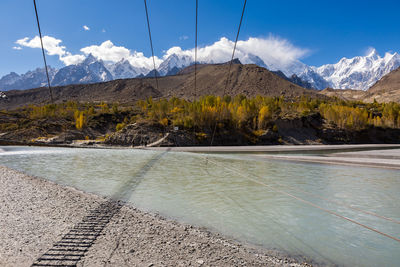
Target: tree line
x,y
255,113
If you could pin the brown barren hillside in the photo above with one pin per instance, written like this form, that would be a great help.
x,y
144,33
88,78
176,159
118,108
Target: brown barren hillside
x,y
345,94
249,80
387,89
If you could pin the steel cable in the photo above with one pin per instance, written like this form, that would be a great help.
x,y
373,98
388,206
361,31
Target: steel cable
x,y
43,53
236,171
195,53
151,43
229,69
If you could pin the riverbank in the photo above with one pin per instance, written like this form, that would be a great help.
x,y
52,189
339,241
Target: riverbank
x,y
276,148
388,159
58,224
224,149
377,156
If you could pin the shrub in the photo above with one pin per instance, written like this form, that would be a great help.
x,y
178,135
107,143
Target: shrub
x,y
164,122
120,126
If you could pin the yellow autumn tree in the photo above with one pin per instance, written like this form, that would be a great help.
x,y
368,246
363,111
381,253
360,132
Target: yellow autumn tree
x,y
264,116
79,119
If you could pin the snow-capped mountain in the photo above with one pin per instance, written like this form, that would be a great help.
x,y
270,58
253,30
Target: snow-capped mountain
x,y
253,59
8,80
172,64
123,69
355,73
89,71
312,77
31,79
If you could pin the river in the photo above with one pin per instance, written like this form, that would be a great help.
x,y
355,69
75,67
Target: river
x,y
288,206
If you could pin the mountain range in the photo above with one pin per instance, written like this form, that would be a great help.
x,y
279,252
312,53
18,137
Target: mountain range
x,y
358,73
249,80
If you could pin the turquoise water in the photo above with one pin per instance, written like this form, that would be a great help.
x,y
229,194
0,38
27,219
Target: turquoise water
x,y
241,197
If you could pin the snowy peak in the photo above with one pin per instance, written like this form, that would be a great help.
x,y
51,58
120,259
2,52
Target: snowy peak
x,y
31,79
359,72
174,62
253,59
123,70
89,60
89,71
9,79
373,54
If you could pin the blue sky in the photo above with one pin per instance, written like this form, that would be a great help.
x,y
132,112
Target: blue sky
x,y
323,31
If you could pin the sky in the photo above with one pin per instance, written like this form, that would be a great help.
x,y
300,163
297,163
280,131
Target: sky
x,y
314,32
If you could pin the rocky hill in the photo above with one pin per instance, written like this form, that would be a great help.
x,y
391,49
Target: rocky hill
x,y
386,89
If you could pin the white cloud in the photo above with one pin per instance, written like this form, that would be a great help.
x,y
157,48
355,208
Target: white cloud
x,y
52,47
86,28
277,53
103,30
17,48
70,59
183,37
107,51
50,44
177,50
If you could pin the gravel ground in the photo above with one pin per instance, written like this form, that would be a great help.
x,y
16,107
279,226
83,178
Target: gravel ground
x,y
40,221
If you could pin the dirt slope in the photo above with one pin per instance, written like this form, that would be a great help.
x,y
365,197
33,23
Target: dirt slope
x,y
345,94
386,89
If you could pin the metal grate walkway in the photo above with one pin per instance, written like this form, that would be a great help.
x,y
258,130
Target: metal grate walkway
x,y
73,245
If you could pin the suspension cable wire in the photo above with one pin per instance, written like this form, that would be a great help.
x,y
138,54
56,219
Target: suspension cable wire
x,y
344,205
212,139
195,53
151,43
236,171
337,202
229,70
334,202
226,85
283,192
152,54
195,66
234,48
43,53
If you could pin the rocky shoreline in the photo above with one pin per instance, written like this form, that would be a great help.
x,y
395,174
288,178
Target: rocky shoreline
x,y
38,217
310,129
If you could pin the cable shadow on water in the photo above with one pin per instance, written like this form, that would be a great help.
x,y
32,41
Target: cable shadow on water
x,y
71,248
